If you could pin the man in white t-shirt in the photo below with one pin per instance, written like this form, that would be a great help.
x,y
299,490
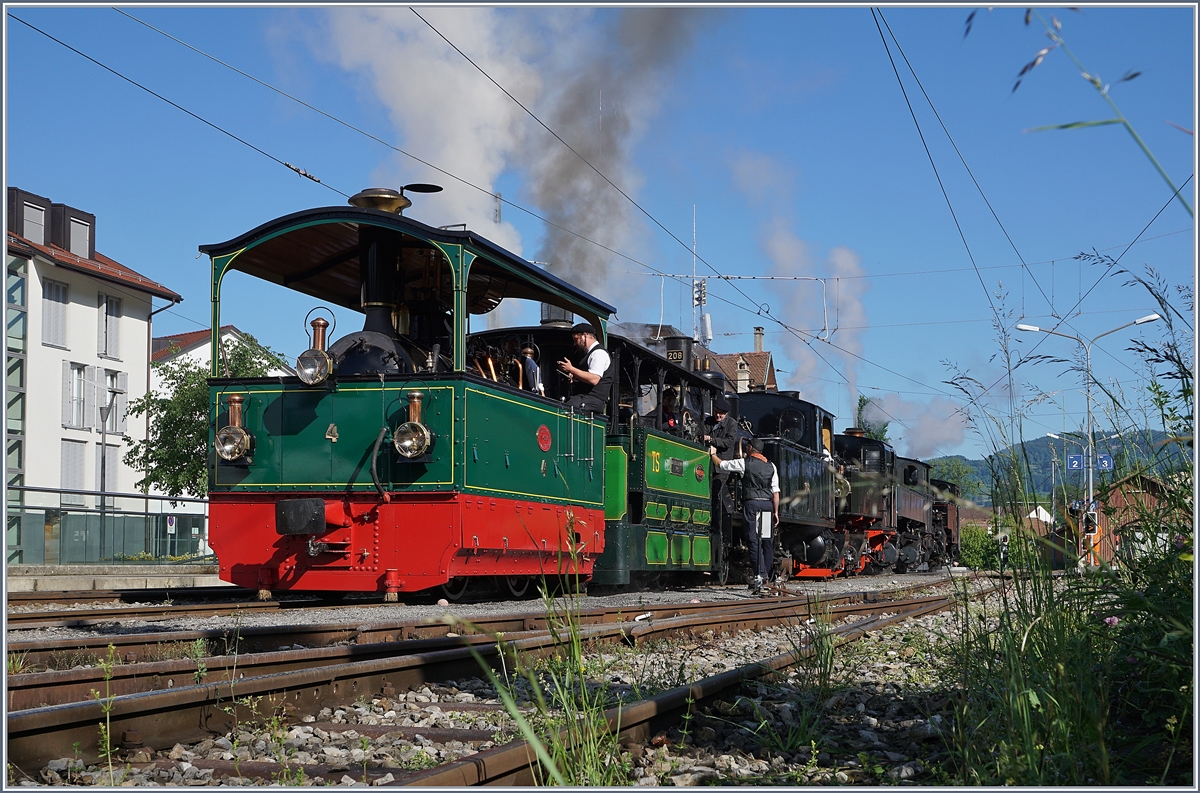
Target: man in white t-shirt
x,y
592,383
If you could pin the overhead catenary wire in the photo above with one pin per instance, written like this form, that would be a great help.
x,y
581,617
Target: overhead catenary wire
x,y
175,105
759,309
963,160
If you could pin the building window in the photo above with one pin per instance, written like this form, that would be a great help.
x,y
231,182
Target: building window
x,y
16,412
35,224
54,313
16,288
109,326
78,402
111,397
16,455
16,281
81,238
71,474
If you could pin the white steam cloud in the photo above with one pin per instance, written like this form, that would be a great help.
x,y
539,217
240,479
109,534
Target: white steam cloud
x,y
919,429
597,87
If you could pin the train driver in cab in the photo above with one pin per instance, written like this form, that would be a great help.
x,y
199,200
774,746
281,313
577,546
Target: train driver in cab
x,y
670,419
592,384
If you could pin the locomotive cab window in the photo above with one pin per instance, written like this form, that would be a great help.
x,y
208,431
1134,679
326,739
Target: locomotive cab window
x,y
792,426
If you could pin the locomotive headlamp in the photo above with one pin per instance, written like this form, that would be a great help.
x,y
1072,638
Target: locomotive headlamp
x,y
314,366
233,441
412,438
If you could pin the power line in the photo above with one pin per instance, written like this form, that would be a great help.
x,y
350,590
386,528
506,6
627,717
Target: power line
x,y
761,309
1103,275
175,105
964,161
933,165
386,144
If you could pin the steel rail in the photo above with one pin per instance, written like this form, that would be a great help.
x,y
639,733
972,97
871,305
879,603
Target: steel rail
x,y
124,595
44,689
183,714
138,647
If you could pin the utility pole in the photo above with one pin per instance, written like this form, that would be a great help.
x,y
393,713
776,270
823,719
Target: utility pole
x,y
1090,516
105,412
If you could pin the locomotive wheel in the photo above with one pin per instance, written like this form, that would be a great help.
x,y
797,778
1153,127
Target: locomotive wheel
x,y
720,569
455,589
515,586
852,561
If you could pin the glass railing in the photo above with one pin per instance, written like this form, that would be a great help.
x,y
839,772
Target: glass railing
x,y
47,526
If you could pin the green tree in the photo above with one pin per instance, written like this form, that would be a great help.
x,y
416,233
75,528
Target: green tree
x,y
174,456
956,470
873,429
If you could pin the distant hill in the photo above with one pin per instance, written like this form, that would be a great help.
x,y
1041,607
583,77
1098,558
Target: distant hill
x,y
1047,459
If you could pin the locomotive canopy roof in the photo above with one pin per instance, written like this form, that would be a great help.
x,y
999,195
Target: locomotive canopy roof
x,y
316,251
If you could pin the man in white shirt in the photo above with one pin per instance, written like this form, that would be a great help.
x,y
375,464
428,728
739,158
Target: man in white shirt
x,y
760,506
593,383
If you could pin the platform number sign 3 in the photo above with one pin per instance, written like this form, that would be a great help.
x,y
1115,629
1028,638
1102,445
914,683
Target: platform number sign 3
x,y
1104,462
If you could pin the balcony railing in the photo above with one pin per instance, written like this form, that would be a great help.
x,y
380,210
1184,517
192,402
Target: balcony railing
x,y
51,526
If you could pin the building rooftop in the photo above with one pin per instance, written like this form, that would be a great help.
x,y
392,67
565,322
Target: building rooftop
x,y
101,267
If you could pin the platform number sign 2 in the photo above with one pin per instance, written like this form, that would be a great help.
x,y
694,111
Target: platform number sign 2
x,y
1074,462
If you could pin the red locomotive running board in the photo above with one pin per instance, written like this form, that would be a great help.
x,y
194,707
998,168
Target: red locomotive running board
x,y
415,542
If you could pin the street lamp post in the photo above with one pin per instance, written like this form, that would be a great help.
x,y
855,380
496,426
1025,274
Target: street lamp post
x,y
105,412
1087,350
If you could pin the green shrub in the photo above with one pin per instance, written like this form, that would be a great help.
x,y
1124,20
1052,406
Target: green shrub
x,y
978,549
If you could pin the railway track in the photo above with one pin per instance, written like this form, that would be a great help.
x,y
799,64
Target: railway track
x,y
189,704
150,594
157,645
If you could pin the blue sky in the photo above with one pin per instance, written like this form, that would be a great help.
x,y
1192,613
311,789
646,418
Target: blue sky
x,y
784,130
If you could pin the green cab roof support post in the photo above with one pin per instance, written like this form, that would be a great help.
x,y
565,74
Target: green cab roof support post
x,y
460,266
220,264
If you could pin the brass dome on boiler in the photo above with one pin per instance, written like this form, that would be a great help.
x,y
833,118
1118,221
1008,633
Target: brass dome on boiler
x,y
386,199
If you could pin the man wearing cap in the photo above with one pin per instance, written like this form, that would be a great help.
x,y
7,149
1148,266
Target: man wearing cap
x,y
725,432
594,381
760,506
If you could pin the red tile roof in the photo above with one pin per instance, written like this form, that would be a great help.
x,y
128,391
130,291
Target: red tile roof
x,y
760,367
168,346
101,267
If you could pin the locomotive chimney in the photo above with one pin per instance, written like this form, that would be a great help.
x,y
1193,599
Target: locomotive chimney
x,y
855,432
378,259
758,339
555,317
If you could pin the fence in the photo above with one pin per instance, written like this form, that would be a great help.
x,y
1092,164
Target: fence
x,y
51,526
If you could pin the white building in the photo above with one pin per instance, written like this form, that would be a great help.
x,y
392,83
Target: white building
x,y
79,335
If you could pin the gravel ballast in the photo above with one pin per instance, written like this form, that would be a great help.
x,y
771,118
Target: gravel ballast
x,y
874,717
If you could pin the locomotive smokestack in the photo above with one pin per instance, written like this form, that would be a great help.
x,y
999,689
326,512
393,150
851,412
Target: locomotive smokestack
x,y
378,259
855,432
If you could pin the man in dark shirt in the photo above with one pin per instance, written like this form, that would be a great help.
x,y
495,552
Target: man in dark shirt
x,y
760,507
723,437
